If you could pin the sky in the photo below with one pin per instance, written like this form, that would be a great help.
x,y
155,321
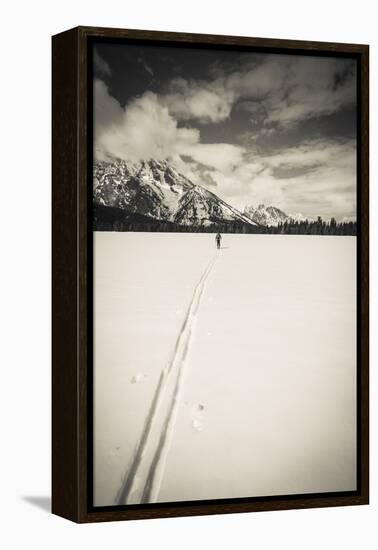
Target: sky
x,y
253,128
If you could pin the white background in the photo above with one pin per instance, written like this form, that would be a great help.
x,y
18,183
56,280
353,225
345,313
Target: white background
x,y
25,273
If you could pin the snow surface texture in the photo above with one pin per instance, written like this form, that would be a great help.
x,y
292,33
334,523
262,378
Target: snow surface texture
x,y
223,374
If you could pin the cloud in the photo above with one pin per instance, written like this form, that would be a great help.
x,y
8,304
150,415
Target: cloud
x,y
208,179
143,129
317,177
219,156
279,90
313,87
320,177
196,171
263,79
146,129
204,101
146,67
327,188
314,153
101,67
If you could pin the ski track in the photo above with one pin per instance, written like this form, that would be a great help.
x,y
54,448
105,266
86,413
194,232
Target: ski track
x,y
177,362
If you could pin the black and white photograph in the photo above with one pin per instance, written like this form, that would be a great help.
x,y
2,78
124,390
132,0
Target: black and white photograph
x,y
224,219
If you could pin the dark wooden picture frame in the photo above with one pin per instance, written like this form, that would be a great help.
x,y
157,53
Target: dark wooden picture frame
x,y
71,291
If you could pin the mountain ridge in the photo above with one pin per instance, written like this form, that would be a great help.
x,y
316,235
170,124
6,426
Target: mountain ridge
x,y
153,195
157,190
272,216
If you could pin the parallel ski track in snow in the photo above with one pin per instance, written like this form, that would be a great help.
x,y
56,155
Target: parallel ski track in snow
x,y
155,472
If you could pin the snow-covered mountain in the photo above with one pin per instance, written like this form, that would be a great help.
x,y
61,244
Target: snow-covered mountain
x,y
265,215
157,190
271,216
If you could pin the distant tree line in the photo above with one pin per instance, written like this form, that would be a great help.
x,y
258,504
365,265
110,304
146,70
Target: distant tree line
x,y
318,227
108,218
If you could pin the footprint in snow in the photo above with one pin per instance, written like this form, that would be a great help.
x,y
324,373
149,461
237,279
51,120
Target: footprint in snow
x,y
198,416
113,452
139,377
197,425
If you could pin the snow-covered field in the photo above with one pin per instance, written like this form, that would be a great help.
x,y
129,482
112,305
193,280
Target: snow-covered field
x,y
222,374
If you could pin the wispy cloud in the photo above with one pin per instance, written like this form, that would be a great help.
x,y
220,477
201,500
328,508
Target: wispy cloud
x,y
146,67
101,67
279,90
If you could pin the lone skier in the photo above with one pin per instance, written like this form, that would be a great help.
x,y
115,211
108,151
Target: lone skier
x,y
218,239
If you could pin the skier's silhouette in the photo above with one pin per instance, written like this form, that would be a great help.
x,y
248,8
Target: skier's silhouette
x,y
218,239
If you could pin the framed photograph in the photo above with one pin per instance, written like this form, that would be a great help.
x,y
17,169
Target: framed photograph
x,y
210,274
